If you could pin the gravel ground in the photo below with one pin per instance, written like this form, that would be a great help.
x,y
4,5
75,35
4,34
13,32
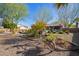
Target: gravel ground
x,y
17,46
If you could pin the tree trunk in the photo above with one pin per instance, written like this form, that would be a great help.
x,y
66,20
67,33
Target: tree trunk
x,y
77,24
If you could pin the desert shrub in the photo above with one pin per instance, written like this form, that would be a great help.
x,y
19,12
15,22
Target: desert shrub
x,y
52,40
35,33
1,31
72,26
28,31
66,31
37,28
50,37
61,32
32,33
49,41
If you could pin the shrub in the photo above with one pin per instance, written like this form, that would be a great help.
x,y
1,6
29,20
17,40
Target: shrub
x,y
1,31
39,26
32,33
67,31
61,32
51,37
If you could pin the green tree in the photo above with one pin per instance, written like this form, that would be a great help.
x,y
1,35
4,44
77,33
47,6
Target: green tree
x,y
8,24
12,13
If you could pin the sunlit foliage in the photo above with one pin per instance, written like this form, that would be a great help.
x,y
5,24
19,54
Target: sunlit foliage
x,y
39,25
11,14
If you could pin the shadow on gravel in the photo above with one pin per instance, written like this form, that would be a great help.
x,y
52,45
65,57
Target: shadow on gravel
x,y
33,52
9,41
15,40
75,39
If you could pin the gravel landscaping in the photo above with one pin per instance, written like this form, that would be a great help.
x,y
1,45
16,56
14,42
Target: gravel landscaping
x,y
23,46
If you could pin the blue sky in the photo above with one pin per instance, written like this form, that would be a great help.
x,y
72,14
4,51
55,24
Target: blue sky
x,y
32,9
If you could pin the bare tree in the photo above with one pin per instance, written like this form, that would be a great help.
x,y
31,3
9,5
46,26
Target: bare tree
x,y
44,14
69,13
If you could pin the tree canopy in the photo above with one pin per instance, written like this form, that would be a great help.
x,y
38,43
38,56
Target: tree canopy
x,y
11,13
14,11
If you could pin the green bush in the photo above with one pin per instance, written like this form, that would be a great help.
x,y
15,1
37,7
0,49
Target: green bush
x,y
66,31
61,32
37,28
51,37
32,33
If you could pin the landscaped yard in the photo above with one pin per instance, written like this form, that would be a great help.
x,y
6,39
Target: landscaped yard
x,y
22,45
50,29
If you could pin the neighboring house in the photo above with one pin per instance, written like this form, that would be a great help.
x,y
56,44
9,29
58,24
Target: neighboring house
x,y
55,26
22,28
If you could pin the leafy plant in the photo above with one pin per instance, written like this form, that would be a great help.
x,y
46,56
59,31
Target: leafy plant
x,y
37,28
49,40
9,24
67,31
32,33
39,25
14,11
61,32
11,14
51,37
